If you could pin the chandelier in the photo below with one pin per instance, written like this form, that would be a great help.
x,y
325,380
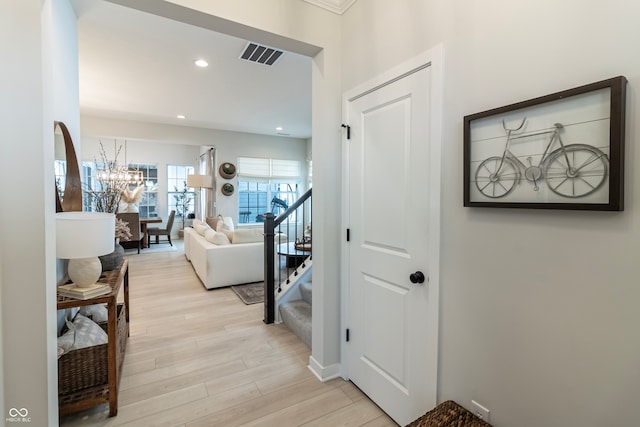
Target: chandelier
x,y
113,180
117,176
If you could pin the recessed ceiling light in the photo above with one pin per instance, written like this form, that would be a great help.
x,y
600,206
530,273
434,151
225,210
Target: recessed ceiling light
x,y
201,63
181,116
279,128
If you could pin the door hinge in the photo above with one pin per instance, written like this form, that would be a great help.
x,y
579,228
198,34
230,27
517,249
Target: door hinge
x,y
347,335
348,130
348,235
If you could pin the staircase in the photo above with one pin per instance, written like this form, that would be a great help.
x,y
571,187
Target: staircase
x,y
296,314
288,277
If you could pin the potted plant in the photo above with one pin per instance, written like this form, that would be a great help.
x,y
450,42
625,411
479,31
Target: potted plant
x,y
183,199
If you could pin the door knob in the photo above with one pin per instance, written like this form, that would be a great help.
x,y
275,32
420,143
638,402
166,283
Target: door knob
x,y
417,277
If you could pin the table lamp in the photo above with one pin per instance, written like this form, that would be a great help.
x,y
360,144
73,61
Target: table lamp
x,y
81,237
199,181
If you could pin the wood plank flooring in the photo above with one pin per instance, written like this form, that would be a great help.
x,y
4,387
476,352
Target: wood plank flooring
x,y
199,358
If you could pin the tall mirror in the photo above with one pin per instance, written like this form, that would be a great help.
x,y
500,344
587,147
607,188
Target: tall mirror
x,y
68,185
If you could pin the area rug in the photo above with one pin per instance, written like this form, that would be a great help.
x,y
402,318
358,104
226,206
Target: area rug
x,y
251,293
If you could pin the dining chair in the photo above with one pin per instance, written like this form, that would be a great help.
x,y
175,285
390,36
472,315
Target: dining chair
x,y
133,221
157,231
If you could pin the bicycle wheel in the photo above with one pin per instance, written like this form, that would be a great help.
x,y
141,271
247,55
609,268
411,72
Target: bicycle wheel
x,y
576,171
494,180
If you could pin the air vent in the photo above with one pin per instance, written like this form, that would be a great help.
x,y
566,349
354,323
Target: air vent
x,y
261,54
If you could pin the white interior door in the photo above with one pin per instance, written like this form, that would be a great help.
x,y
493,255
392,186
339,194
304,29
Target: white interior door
x,y
393,323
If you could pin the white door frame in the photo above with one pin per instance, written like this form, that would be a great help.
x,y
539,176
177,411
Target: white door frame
x,y
432,58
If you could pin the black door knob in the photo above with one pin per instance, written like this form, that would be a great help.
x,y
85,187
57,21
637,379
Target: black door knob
x,y
417,277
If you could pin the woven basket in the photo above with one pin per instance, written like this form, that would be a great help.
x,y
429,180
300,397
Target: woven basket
x,y
85,371
449,414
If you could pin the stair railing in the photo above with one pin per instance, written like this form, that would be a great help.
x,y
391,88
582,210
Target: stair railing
x,y
295,224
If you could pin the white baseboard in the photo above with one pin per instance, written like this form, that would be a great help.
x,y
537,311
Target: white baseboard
x,y
324,373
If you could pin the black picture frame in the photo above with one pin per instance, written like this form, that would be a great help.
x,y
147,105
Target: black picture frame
x,y
559,151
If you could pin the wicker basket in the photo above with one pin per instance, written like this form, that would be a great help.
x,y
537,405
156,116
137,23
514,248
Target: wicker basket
x,y
84,373
449,414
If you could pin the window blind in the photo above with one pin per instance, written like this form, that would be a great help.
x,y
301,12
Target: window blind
x,y
268,168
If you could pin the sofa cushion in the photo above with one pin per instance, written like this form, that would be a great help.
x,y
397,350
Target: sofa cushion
x,y
247,235
216,237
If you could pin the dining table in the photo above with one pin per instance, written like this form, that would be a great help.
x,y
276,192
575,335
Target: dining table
x,y
143,227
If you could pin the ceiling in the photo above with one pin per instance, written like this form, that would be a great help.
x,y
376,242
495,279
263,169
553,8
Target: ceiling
x,y
139,66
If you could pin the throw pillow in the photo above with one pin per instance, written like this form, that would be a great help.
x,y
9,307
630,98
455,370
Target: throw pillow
x,y
82,332
217,238
201,228
227,233
228,223
212,221
225,223
87,333
65,341
247,235
97,312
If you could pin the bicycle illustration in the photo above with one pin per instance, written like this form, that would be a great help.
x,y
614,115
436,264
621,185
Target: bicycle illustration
x,y
574,170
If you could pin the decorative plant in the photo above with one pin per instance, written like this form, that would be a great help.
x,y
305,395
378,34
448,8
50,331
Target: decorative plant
x,y
112,181
132,196
183,199
123,232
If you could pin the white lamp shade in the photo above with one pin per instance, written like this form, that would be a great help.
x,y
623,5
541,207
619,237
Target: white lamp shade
x,y
84,234
200,181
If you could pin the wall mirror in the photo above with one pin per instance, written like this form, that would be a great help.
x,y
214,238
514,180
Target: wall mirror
x,y
68,185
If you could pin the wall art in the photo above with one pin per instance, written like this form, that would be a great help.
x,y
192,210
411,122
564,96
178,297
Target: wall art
x,y
559,151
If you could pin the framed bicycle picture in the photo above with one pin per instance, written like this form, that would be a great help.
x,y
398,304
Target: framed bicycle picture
x,y
559,151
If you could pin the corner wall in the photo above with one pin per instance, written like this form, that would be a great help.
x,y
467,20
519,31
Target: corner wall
x,y
539,312
37,38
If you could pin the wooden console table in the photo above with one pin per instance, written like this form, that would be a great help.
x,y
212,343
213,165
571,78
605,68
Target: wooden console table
x,y
117,327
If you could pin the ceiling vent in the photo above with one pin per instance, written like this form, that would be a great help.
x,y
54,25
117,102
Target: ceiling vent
x,y
261,54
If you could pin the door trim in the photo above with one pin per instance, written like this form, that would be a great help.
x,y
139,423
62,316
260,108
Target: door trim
x,y
432,58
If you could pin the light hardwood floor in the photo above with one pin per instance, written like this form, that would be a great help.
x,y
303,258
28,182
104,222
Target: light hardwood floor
x,y
203,358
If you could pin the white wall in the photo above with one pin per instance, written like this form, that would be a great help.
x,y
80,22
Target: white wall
x,y
35,39
169,144
539,317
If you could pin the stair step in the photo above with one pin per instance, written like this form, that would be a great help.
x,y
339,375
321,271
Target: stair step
x,y
297,316
305,291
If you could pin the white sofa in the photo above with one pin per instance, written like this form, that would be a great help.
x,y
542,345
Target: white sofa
x,y
223,265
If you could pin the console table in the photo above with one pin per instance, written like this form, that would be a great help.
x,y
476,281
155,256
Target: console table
x,y
91,376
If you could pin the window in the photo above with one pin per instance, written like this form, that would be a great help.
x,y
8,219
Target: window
x,y
265,185
147,206
60,167
179,197
149,203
